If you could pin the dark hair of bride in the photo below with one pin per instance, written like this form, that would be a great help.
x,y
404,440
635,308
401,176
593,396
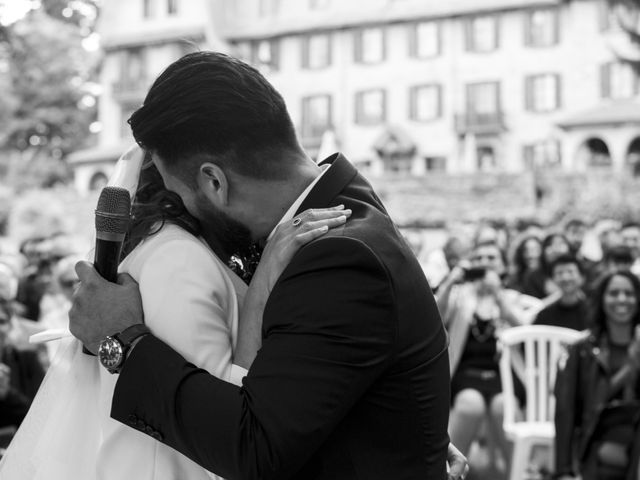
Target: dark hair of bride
x,y
153,207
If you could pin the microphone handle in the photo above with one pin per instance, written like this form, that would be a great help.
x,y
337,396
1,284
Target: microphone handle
x,y
107,258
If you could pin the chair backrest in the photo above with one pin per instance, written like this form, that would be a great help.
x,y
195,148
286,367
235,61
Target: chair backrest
x,y
532,352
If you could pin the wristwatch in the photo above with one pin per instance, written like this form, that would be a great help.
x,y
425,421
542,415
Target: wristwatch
x,y
112,351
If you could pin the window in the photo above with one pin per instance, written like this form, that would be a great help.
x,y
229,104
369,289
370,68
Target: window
x,y
265,55
542,154
618,80
542,93
425,103
483,99
370,45
541,29
172,7
435,164
482,34
133,68
424,40
316,115
316,51
318,4
267,8
370,107
147,10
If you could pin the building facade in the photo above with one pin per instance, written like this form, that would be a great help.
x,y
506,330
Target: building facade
x,y
409,86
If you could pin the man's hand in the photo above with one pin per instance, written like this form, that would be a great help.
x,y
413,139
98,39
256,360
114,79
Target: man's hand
x,y
102,308
5,381
458,466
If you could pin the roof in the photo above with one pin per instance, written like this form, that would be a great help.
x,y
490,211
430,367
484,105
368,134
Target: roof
x,y
354,15
153,37
610,113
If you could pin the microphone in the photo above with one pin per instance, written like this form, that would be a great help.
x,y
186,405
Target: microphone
x,y
113,213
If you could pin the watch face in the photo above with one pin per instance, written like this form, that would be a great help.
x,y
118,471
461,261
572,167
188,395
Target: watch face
x,y
110,353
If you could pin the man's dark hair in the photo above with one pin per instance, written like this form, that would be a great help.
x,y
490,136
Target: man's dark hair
x,y
208,103
619,254
565,259
630,225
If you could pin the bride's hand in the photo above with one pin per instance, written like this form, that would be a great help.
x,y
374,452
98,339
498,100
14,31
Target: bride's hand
x,y
286,241
290,236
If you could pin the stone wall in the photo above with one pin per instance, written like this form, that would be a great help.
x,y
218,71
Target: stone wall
x,y
548,197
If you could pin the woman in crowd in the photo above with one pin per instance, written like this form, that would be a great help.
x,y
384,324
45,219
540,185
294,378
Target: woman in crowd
x,y
597,391
538,283
526,259
475,306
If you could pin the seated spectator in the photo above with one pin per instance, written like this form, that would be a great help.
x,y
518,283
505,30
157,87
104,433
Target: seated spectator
x,y
475,306
630,234
20,373
440,262
617,258
538,283
526,259
597,388
571,310
575,231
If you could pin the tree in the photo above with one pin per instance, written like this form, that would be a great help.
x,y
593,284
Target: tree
x,y
627,13
47,112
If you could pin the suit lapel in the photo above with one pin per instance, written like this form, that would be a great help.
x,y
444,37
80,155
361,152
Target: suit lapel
x,y
334,180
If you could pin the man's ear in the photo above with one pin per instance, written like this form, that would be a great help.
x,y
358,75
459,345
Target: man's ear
x,y
213,182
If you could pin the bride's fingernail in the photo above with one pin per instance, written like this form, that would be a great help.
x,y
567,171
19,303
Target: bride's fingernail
x,y
342,218
338,207
347,212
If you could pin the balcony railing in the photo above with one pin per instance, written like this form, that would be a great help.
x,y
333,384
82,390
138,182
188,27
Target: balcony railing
x,y
480,123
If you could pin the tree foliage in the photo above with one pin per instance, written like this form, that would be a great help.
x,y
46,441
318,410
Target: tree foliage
x,y
45,109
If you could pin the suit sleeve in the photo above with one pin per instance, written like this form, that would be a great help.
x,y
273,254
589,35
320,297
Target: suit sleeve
x,y
329,330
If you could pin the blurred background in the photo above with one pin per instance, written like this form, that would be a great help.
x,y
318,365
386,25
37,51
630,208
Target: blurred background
x,y
473,119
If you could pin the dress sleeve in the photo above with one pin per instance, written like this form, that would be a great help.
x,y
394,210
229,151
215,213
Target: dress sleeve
x,y
189,304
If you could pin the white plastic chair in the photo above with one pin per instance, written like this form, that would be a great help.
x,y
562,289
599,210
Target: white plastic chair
x,y
541,346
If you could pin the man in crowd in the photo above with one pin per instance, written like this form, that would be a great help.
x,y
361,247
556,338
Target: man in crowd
x,y
571,309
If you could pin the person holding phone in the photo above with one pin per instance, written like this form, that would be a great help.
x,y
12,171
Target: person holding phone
x,y
475,306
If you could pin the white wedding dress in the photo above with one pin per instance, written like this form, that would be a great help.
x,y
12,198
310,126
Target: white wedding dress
x,y
190,300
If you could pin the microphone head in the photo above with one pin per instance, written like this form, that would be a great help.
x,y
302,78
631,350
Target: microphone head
x,y
113,210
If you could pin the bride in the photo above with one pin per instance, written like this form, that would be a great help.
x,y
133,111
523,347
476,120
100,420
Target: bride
x,y
193,301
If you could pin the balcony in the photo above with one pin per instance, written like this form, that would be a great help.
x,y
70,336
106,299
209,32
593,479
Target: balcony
x,y
130,90
480,123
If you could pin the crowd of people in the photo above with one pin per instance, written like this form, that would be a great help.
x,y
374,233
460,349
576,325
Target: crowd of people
x,y
36,286
578,276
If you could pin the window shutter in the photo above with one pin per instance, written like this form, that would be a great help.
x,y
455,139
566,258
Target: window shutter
x,y
413,40
358,46
528,25
496,24
274,44
329,49
439,96
305,44
603,15
468,38
556,26
558,91
439,38
413,103
528,93
605,80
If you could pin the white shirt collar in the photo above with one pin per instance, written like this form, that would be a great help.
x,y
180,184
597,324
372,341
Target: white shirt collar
x,y
296,205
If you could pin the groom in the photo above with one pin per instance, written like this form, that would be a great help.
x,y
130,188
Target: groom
x,y
352,380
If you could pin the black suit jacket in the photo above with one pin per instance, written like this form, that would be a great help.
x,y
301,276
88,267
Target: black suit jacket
x,y
351,382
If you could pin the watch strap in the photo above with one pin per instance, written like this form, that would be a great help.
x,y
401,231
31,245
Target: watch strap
x,y
129,334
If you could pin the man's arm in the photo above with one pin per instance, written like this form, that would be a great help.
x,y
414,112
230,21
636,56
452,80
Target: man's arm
x,y
329,330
